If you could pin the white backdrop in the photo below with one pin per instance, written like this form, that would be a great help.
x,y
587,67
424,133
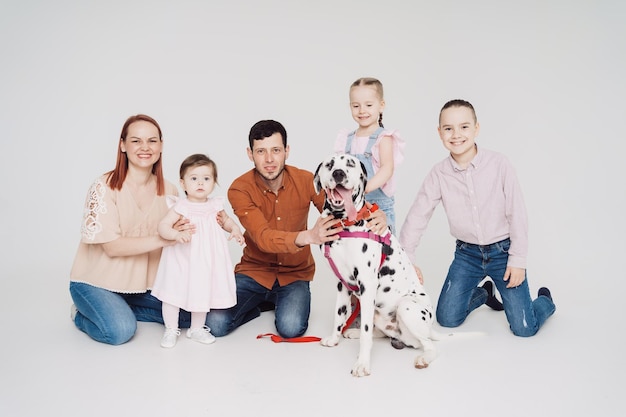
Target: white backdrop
x,y
546,78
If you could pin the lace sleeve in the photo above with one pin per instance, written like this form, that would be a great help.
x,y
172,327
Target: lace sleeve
x,y
95,206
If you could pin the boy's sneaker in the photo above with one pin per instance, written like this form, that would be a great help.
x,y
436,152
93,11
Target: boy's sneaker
x,y
170,337
201,334
73,311
492,301
545,292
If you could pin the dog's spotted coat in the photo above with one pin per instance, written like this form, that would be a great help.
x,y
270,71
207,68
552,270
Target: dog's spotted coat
x,y
393,302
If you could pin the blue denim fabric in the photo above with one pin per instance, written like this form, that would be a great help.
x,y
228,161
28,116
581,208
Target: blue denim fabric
x,y
111,317
384,202
460,294
293,306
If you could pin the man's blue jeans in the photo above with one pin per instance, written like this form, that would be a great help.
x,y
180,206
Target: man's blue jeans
x,y
111,317
293,306
460,294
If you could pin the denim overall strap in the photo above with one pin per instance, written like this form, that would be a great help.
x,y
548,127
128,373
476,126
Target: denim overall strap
x,y
370,143
366,156
373,137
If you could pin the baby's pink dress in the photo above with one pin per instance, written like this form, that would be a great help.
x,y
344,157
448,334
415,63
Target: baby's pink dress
x,y
197,276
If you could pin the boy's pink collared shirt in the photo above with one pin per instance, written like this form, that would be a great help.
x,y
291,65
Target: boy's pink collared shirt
x,y
484,204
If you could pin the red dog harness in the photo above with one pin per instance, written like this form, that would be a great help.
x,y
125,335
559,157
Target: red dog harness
x,y
385,240
363,214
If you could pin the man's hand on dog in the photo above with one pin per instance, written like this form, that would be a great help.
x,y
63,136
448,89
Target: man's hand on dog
x,y
323,231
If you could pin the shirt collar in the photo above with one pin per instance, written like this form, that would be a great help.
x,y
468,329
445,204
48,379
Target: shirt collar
x,y
475,162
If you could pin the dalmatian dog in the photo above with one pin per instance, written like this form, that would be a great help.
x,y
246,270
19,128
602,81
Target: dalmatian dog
x,y
375,268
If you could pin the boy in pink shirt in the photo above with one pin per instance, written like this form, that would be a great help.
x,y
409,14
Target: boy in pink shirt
x,y
485,208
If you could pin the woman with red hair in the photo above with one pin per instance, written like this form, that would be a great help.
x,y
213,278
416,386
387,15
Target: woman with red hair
x,y
119,251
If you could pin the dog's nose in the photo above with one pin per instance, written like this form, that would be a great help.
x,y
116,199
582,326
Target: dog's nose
x,y
339,176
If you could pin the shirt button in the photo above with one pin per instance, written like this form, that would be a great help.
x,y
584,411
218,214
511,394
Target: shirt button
x,y
277,218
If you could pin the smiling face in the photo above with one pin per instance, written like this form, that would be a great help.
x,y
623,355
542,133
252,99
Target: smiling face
x,y
366,105
269,156
457,129
198,183
142,145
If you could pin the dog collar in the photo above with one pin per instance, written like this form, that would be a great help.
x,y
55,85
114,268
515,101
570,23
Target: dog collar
x,y
363,214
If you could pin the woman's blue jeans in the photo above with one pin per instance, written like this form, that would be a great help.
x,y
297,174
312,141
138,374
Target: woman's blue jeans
x,y
460,294
111,317
293,306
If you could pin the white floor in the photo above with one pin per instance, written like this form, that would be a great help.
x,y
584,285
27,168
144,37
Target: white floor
x,y
49,367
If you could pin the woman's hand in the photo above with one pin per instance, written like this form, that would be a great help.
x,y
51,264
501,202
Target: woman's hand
x,y
184,225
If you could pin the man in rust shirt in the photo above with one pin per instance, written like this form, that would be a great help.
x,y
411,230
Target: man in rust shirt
x,y
272,202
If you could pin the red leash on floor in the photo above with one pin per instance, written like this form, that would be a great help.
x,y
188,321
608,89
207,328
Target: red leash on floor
x,y
304,339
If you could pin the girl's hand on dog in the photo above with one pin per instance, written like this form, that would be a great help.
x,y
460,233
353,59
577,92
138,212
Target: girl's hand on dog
x,y
377,221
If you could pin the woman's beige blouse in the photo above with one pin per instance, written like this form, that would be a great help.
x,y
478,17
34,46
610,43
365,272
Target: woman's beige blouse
x,y
108,215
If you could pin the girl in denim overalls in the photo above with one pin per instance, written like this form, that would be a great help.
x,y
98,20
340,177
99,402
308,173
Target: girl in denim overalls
x,y
379,149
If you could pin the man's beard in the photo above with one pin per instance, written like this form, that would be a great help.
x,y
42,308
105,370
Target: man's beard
x,y
274,176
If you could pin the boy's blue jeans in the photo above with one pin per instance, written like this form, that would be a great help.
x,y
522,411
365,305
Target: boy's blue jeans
x,y
460,294
293,306
111,317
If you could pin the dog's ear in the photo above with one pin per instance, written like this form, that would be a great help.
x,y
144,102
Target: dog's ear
x,y
317,183
363,174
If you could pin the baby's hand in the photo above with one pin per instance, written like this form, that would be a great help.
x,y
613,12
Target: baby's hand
x,y
237,236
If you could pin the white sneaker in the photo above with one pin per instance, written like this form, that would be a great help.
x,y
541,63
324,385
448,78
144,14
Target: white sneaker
x,y
201,334
73,311
169,337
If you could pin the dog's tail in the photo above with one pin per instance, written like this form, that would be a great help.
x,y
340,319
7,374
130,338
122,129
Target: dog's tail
x,y
435,335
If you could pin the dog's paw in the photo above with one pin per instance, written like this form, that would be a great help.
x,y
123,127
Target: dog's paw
x,y
360,369
352,333
330,341
421,362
